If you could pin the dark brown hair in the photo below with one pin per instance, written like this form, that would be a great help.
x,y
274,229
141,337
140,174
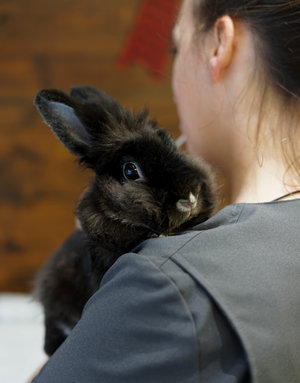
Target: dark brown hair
x,y
276,27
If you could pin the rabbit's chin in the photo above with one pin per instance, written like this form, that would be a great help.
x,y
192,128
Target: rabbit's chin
x,y
180,218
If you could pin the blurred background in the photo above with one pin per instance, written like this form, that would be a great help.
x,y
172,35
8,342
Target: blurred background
x,y
58,44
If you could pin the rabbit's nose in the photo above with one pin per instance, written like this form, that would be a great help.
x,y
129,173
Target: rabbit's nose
x,y
186,205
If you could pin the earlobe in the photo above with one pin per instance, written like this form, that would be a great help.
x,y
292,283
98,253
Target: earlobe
x,y
221,55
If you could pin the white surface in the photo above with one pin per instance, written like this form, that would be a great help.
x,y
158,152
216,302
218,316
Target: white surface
x,y
21,338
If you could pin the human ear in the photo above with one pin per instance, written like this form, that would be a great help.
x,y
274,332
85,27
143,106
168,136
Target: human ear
x,y
223,43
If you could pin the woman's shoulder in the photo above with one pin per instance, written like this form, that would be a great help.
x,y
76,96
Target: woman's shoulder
x,y
240,240
237,224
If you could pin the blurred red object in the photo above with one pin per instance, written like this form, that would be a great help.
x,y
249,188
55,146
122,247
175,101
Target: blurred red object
x,y
149,41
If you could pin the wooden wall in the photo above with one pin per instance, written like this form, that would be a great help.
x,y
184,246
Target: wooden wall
x,y
56,44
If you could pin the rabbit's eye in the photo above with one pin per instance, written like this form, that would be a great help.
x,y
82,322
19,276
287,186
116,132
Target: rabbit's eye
x,y
132,172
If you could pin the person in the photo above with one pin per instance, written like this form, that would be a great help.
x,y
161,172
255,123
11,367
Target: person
x,y
219,303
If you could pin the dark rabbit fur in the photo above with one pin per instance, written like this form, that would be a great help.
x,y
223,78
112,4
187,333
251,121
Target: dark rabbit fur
x,y
143,187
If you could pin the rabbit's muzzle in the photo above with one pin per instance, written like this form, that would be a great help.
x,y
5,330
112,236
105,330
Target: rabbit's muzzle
x,y
187,205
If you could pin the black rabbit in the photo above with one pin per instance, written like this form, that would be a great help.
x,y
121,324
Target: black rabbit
x,y
143,187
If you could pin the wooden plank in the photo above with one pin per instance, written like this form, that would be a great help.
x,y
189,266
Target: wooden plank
x,y
62,26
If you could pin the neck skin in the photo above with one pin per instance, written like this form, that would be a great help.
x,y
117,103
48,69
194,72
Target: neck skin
x,y
251,159
254,167
253,183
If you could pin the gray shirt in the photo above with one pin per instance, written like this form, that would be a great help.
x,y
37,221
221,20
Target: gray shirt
x,y
220,303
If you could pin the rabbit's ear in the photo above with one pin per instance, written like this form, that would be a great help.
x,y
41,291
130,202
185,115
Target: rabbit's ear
x,y
59,112
90,95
